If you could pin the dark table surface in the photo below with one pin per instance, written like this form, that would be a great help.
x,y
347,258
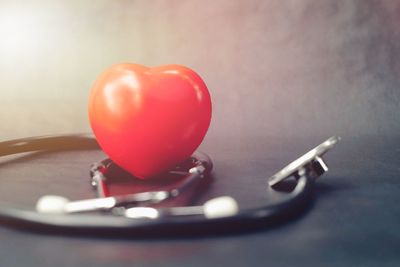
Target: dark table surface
x,y
353,220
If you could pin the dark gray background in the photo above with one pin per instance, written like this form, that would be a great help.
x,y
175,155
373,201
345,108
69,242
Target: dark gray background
x,y
283,76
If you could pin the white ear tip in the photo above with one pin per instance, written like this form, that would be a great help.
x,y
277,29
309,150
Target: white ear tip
x,y
220,207
51,204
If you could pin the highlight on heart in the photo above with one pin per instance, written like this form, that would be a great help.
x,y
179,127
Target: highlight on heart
x,y
148,120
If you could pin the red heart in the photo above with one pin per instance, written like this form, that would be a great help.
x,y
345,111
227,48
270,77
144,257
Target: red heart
x,y
148,120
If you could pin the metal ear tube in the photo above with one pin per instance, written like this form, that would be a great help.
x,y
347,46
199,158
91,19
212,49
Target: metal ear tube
x,y
219,207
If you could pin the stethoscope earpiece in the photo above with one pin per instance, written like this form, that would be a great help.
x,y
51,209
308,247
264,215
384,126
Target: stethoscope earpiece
x,y
51,204
220,207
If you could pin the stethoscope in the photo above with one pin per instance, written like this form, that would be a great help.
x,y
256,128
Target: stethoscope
x,y
135,214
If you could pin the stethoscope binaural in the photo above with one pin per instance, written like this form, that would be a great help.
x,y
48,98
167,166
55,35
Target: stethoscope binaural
x,y
133,214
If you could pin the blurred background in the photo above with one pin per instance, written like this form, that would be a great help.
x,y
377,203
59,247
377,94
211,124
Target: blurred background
x,y
274,68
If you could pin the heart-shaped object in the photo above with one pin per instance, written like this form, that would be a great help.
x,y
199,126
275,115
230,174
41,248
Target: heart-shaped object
x,y
148,120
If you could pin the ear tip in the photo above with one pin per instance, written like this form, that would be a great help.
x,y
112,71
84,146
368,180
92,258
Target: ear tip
x,y
51,204
219,207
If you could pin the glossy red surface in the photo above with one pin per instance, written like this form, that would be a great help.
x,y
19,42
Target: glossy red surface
x,y
148,120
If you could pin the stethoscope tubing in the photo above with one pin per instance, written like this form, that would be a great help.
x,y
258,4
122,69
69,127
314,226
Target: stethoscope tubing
x,y
106,224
